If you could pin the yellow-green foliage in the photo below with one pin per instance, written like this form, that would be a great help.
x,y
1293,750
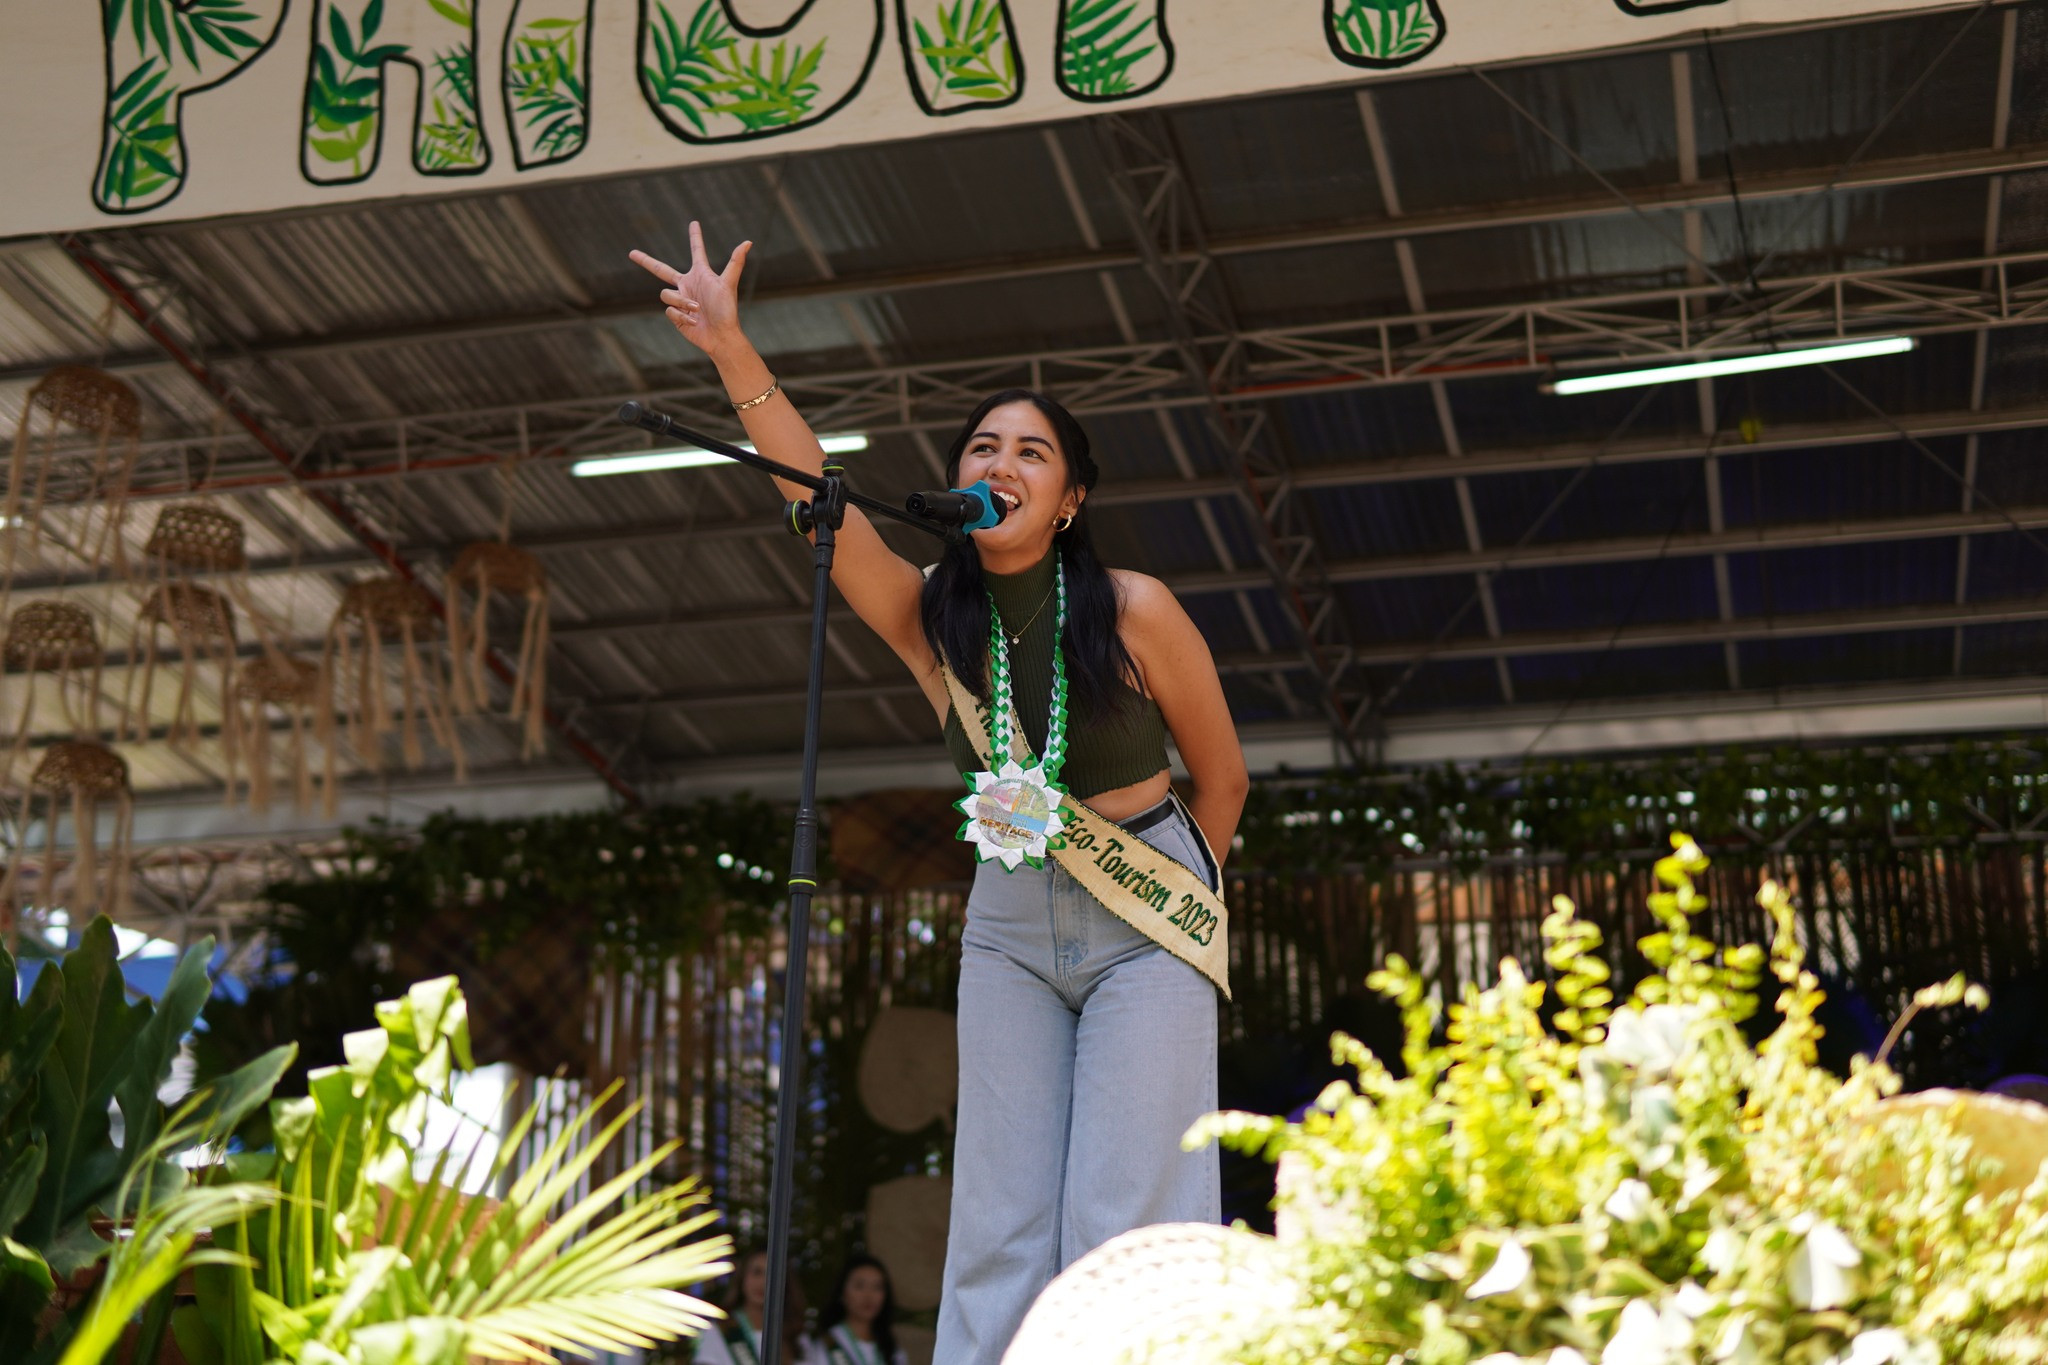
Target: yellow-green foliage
x,y
1634,1184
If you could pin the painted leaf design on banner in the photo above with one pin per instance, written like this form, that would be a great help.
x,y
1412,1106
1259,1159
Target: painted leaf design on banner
x,y
711,78
961,55
547,80
157,53
1382,33
1113,49
353,42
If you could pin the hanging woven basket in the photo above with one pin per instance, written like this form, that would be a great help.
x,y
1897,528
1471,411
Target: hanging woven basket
x,y
194,535
482,569
82,775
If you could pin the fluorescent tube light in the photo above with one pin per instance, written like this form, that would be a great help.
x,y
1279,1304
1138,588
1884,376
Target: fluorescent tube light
x,y
1740,364
686,457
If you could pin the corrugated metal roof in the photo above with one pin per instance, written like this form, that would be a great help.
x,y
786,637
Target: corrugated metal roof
x,y
463,316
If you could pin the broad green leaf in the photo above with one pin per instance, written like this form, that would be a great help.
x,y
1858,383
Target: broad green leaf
x,y
157,1041
82,1070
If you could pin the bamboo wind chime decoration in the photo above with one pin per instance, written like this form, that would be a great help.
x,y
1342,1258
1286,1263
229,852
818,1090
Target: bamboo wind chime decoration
x,y
293,686
90,774
485,568
202,625
82,399
58,640
188,539
374,614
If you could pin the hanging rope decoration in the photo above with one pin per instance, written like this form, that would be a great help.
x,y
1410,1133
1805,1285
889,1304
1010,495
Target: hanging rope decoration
x,y
58,639
373,614
202,625
76,398
189,538
485,568
90,774
293,686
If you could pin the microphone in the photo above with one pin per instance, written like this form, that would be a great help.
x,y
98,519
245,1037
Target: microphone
x,y
973,508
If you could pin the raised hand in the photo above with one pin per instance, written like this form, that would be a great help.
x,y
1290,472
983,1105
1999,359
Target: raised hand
x,y
702,303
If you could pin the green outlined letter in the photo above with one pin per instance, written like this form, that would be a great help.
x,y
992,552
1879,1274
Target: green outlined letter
x,y
711,78
158,52
353,41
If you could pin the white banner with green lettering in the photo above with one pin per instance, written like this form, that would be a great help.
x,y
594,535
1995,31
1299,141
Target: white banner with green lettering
x,y
162,109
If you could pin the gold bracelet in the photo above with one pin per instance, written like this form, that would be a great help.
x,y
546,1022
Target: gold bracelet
x,y
758,399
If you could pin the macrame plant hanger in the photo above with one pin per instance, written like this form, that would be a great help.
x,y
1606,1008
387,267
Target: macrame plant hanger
x,y
189,538
498,566
57,639
83,399
374,614
89,774
291,685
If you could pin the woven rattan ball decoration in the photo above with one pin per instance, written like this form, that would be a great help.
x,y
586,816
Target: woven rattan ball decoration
x,y
499,567
385,604
51,635
192,613
280,680
1139,1297
81,767
191,535
90,400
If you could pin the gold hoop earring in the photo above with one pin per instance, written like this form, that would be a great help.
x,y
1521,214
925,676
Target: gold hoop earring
x,y
1063,523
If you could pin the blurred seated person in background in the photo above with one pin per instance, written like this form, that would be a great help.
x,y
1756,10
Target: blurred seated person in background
x,y
858,1324
737,1340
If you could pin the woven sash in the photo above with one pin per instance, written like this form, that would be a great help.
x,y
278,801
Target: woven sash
x,y
1160,898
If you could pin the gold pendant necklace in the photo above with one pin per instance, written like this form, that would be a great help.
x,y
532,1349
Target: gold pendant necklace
x,y
1017,635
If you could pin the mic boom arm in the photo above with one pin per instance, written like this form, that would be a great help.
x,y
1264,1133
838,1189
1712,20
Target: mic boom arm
x,y
635,414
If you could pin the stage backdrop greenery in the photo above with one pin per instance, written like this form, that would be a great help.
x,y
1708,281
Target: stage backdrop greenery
x,y
644,946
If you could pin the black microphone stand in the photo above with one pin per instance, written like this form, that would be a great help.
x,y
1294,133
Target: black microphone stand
x,y
819,516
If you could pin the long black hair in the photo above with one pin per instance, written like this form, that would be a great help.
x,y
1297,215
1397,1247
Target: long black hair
x,y
884,1327
735,1299
954,608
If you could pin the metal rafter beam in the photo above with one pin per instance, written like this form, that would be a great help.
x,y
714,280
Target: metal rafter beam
x,y
1678,197
1159,208
1523,644
1379,568
1334,475
1926,299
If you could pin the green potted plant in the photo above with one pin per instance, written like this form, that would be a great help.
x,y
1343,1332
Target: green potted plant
x,y
349,1243
1629,1183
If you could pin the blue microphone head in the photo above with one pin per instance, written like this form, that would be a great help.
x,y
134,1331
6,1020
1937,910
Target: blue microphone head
x,y
991,510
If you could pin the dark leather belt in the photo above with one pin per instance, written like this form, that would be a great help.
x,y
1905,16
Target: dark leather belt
x,y
1150,816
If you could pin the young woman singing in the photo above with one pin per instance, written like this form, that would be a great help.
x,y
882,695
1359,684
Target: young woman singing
x,y
1095,940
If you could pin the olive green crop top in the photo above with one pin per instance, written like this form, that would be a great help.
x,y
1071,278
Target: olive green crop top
x,y
1101,755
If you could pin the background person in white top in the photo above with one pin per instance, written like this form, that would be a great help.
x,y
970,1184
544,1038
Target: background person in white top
x,y
737,1340
858,1324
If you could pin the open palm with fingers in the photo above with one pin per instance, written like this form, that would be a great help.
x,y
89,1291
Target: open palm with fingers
x,y
703,303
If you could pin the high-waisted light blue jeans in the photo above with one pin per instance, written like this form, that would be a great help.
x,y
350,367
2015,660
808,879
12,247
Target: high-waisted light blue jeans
x,y
1086,1051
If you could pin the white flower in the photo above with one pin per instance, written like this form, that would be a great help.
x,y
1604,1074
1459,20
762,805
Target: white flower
x,y
1645,1336
1738,1344
1887,1346
1723,1249
1509,1272
1653,1039
1821,1266
1565,1355
1692,1300
1629,1202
